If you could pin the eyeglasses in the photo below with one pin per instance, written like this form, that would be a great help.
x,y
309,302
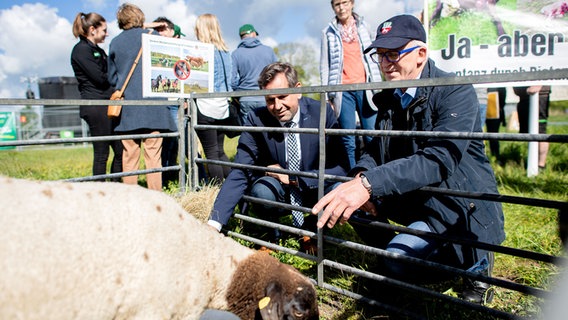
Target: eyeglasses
x,y
392,56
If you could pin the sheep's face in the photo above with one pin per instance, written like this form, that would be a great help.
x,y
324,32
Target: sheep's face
x,y
298,305
264,288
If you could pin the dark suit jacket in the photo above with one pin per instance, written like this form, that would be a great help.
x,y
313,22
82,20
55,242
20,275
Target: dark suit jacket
x,y
267,148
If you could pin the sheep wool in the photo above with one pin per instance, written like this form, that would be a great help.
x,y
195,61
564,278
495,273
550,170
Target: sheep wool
x,y
102,250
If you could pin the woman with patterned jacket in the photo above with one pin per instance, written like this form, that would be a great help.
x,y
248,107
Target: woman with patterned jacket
x,y
343,62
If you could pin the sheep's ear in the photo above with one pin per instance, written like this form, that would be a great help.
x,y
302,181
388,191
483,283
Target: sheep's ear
x,y
270,306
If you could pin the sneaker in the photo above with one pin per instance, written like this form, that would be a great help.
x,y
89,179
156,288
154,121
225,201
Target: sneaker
x,y
476,291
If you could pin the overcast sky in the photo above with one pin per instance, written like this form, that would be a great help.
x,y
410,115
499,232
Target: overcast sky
x,y
36,37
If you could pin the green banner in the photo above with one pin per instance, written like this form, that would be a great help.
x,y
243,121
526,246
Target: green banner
x,y
8,131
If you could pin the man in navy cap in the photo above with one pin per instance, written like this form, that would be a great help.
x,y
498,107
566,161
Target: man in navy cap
x,y
389,175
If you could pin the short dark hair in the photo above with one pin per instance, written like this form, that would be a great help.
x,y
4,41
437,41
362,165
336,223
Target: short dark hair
x,y
272,70
166,20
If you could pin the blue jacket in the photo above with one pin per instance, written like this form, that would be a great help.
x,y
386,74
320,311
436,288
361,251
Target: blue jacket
x,y
267,148
250,57
223,71
123,50
398,167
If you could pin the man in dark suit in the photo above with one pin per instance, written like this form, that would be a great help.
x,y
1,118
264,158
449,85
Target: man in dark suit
x,y
392,170
269,149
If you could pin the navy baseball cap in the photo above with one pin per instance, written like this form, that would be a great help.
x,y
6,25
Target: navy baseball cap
x,y
398,31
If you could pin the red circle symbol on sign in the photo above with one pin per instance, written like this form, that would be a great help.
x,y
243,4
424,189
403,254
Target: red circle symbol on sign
x,y
182,69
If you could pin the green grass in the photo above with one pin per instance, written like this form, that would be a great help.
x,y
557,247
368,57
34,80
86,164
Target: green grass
x,y
529,228
475,25
53,163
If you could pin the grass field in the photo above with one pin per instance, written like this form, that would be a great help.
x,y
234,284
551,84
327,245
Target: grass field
x,y
529,228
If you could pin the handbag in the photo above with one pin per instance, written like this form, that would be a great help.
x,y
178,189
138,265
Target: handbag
x,y
114,110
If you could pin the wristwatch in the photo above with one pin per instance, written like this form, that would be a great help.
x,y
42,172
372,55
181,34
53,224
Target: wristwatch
x,y
365,182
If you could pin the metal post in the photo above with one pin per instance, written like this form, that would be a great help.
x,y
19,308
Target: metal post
x,y
181,144
321,172
193,171
532,159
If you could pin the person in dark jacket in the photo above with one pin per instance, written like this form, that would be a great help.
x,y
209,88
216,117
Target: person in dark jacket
x,y
248,60
89,63
393,169
268,149
136,119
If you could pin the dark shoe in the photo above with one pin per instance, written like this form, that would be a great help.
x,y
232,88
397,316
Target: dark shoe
x,y
476,291
276,236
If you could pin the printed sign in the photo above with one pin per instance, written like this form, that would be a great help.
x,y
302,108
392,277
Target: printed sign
x,y
8,130
490,37
174,68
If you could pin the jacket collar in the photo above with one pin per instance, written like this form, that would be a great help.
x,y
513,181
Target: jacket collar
x,y
385,99
358,21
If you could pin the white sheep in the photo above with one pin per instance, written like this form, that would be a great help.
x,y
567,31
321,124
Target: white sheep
x,y
98,250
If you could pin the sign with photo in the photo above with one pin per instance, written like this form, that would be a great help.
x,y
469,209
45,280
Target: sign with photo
x,y
491,37
8,130
174,68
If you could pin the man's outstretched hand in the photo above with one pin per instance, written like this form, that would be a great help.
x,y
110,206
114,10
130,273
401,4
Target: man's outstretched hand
x,y
341,202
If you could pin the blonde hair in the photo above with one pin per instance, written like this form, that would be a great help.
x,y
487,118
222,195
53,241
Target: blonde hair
x,y
208,30
129,16
83,21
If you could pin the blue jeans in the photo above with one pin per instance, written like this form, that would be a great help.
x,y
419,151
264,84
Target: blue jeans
x,y
351,102
411,246
482,114
246,106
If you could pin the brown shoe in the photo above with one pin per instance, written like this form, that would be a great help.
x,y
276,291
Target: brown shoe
x,y
265,249
308,245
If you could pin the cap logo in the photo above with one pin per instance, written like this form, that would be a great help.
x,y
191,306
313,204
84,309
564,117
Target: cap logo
x,y
387,26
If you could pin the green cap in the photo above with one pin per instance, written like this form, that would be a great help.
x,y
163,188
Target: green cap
x,y
177,31
246,29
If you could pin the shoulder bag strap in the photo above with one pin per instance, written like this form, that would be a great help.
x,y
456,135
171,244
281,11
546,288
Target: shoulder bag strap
x,y
132,69
224,71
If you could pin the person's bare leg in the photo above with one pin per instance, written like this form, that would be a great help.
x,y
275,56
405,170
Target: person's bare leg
x,y
542,153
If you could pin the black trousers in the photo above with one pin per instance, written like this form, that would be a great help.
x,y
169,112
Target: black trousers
x,y
100,125
213,142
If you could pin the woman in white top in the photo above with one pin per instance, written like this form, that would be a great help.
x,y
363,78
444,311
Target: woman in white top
x,y
214,111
